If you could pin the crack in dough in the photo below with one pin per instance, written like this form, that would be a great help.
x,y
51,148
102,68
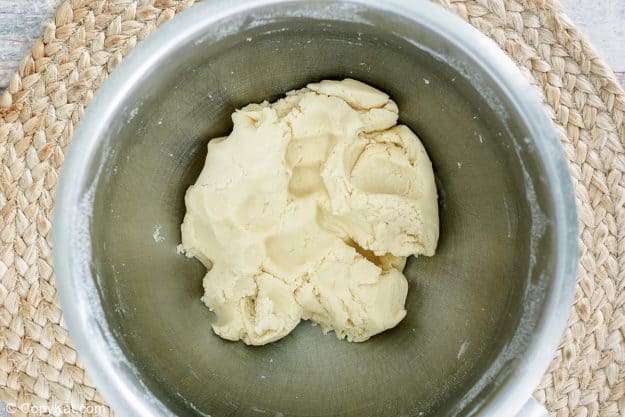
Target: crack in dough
x,y
308,210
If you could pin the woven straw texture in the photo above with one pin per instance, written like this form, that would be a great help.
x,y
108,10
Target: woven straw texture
x,y
88,38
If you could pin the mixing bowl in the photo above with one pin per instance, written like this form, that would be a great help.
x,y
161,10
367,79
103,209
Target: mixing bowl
x,y
484,314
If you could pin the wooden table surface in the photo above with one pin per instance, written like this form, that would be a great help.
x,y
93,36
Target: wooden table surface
x,y
20,24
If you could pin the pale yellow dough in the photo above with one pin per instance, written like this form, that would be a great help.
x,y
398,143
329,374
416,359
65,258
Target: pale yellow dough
x,y
308,210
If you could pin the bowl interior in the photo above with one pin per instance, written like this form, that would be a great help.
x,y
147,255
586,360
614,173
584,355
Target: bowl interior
x,y
467,305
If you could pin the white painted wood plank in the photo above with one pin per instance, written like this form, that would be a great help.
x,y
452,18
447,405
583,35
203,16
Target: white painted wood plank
x,y
604,23
20,25
21,20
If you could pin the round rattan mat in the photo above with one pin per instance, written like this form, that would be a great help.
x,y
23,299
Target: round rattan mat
x,y
39,368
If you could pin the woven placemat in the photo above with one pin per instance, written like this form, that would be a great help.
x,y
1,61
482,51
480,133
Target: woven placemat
x,y
39,368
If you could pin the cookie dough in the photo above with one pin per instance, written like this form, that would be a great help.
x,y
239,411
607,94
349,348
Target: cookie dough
x,y
308,210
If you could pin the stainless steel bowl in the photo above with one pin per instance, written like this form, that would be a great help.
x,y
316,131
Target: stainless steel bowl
x,y
484,315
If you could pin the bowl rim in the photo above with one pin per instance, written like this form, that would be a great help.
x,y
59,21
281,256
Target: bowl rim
x,y
117,379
